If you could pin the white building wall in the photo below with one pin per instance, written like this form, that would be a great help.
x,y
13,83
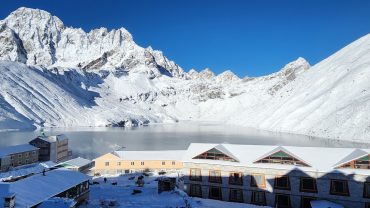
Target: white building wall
x,y
355,184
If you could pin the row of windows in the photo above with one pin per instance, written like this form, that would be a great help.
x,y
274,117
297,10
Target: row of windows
x,y
307,184
20,155
257,197
141,163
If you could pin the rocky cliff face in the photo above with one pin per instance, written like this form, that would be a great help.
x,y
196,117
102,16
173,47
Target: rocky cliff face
x,y
42,39
54,75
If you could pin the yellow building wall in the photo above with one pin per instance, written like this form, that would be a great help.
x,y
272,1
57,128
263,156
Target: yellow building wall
x,y
110,162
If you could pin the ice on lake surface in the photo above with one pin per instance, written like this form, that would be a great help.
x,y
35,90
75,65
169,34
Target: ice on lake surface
x,y
93,142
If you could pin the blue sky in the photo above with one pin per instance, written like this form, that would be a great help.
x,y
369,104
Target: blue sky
x,y
252,38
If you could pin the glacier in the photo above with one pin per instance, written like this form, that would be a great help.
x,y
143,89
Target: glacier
x,y
58,76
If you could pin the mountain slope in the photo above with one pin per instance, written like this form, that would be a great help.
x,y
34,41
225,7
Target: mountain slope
x,y
54,75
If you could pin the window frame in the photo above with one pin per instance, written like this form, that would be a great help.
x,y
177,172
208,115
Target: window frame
x,y
280,187
196,177
191,193
337,193
301,188
232,182
215,187
241,200
255,184
306,197
276,201
264,203
215,179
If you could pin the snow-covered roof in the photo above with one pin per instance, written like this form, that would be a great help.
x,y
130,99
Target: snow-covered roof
x,y
77,162
57,202
150,155
53,138
356,154
278,149
26,170
35,189
249,154
16,149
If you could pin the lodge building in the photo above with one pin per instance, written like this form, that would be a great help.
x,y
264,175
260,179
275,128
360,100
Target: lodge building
x,y
278,176
118,162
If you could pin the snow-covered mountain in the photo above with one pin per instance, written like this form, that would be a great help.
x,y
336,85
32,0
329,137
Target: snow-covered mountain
x,y
53,75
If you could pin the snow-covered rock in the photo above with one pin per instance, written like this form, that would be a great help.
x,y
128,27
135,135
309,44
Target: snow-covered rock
x,y
54,75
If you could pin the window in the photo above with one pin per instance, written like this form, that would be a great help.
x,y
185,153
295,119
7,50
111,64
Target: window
x,y
258,198
236,195
258,180
195,190
308,184
106,163
119,163
362,163
142,163
33,152
20,155
215,176
214,154
367,190
163,163
195,175
19,162
236,178
282,201
339,187
215,193
306,201
281,157
173,163
26,154
282,182
132,163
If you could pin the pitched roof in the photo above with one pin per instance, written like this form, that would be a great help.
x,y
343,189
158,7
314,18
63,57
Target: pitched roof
x,y
43,187
16,149
77,162
249,154
282,149
150,155
355,155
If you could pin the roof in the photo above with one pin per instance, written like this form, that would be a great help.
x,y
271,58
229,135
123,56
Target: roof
x,y
43,187
16,149
249,154
77,162
53,138
278,149
151,155
356,154
57,202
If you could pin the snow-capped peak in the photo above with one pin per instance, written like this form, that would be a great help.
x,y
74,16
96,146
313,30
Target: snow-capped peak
x,y
46,42
227,76
206,73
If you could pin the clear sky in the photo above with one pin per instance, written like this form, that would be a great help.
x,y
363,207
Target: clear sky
x,y
251,38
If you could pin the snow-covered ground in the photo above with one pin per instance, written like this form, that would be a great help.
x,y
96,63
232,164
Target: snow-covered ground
x,y
53,75
121,194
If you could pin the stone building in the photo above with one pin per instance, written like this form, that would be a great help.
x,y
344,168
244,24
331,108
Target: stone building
x,y
18,155
52,148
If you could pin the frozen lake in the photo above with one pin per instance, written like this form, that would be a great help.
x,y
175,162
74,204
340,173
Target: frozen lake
x,y
93,142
